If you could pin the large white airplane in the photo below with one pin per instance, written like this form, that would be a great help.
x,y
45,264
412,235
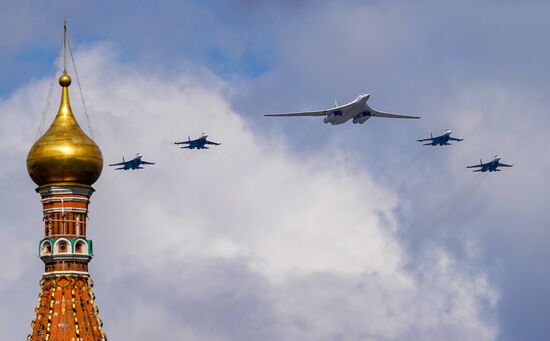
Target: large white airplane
x,y
358,110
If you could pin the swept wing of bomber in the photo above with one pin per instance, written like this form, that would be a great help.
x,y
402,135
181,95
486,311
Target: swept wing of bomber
x,y
358,111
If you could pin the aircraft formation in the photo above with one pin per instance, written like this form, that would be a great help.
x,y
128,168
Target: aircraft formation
x,y
358,111
136,162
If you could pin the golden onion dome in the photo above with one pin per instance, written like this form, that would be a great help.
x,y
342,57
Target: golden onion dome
x,y
64,154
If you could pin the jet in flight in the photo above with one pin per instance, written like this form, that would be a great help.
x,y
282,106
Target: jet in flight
x,y
441,140
358,111
135,163
491,166
199,143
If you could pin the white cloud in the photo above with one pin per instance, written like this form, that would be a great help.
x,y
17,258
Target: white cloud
x,y
245,241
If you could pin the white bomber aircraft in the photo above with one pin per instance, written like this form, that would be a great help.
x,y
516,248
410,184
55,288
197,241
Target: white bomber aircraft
x,y
358,110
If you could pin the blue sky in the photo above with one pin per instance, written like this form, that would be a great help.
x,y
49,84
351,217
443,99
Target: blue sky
x,y
404,231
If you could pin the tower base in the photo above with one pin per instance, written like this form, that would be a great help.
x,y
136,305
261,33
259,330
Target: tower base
x,y
66,310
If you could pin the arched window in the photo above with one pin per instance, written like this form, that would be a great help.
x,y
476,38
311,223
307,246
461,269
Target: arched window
x,y
81,247
62,247
46,248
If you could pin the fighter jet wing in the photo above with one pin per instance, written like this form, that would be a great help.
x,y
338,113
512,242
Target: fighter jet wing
x,y
117,164
183,142
428,139
455,139
504,165
146,163
474,166
210,142
376,113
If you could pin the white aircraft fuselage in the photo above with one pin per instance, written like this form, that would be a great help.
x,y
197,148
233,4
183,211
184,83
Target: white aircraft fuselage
x,y
358,111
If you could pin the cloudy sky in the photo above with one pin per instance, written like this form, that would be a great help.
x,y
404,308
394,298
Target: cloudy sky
x,y
292,229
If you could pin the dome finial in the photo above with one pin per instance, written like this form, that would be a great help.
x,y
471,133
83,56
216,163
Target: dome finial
x,y
65,45
65,80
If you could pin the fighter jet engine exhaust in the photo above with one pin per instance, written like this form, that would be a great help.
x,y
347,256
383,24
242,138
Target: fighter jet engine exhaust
x,y
454,201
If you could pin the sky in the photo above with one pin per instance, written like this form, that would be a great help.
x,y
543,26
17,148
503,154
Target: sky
x,y
292,229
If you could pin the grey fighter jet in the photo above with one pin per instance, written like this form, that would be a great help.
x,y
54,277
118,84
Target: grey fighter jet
x,y
441,140
199,143
358,111
491,166
135,163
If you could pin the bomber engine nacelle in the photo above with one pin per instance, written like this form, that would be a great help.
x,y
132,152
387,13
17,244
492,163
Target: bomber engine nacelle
x,y
329,118
333,116
362,117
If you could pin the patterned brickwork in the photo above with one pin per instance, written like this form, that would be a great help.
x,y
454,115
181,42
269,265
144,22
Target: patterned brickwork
x,y
66,310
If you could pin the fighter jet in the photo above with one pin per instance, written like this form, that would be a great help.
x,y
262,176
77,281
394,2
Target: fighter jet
x,y
491,166
135,163
199,143
358,111
441,140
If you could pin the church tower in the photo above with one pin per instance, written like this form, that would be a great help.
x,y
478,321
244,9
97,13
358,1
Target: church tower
x,y
64,163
